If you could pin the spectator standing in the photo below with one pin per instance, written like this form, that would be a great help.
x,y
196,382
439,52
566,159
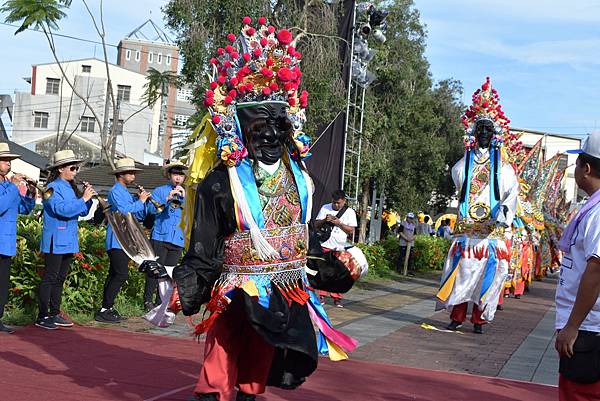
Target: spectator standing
x,y
342,221
578,289
406,232
424,228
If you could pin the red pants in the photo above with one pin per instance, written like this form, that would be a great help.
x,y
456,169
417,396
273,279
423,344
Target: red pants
x,y
235,355
459,314
336,296
571,391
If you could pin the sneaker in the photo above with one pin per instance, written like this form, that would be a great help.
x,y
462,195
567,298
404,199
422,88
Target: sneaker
x,y
6,329
454,325
116,313
46,323
517,297
478,329
338,304
106,317
148,306
500,307
62,322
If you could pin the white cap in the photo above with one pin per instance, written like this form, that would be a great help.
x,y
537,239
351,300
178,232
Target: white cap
x,y
590,146
410,215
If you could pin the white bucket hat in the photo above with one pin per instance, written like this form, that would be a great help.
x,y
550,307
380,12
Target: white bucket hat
x,y
124,165
63,157
5,152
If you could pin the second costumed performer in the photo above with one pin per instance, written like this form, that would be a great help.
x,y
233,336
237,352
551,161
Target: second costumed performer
x,y
249,239
477,263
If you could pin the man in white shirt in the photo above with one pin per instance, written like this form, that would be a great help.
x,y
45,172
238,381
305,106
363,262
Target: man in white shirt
x,y
578,290
342,226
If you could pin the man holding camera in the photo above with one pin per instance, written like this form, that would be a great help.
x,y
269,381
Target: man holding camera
x,y
339,221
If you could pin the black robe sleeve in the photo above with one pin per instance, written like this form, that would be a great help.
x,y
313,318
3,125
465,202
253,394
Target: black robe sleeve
x,y
214,219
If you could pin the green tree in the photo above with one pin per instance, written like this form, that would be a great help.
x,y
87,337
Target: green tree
x,y
412,129
202,26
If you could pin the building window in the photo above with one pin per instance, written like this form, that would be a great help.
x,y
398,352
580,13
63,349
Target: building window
x,y
159,58
52,86
184,95
150,57
40,119
128,54
88,124
180,120
123,93
86,68
119,127
137,55
168,59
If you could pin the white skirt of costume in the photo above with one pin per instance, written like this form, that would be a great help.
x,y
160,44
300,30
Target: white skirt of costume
x,y
475,271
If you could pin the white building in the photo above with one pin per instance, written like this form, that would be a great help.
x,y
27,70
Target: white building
x,y
52,107
553,144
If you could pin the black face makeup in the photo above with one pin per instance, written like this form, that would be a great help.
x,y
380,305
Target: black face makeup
x,y
484,131
265,128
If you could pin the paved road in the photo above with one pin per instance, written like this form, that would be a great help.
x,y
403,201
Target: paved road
x,y
386,320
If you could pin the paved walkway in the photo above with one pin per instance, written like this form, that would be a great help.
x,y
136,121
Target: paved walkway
x,y
386,320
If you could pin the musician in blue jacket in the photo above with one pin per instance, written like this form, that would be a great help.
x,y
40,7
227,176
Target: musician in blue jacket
x,y
11,204
121,201
167,236
60,235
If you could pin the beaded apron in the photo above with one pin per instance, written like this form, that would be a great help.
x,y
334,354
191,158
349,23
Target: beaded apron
x,y
243,269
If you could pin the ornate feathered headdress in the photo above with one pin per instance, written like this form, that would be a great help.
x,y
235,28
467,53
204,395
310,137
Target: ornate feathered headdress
x,y
260,65
486,106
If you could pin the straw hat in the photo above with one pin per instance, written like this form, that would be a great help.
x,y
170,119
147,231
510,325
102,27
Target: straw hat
x,y
63,157
5,152
125,165
175,165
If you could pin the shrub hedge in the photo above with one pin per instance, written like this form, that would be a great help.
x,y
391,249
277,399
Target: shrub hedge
x,y
83,287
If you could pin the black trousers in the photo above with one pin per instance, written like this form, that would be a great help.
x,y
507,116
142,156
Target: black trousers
x,y
118,272
168,255
5,262
400,261
50,292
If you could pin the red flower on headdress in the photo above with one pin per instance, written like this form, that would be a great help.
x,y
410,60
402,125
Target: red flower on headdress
x,y
262,20
284,75
232,93
257,52
213,85
271,29
228,48
266,72
250,31
266,91
284,37
263,42
304,99
269,62
216,119
246,20
228,100
214,61
231,37
221,80
220,51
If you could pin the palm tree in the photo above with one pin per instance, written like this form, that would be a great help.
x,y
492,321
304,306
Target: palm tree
x,y
39,14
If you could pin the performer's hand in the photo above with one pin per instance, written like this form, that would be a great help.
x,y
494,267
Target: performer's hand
x,y
565,340
144,196
153,269
17,178
88,193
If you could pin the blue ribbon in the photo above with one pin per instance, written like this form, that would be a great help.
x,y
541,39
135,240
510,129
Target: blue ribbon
x,y
494,205
248,181
464,206
490,268
320,311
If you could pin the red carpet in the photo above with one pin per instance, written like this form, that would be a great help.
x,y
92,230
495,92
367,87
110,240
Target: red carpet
x,y
86,364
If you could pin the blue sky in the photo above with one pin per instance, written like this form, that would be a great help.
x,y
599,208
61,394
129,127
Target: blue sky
x,y
543,55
